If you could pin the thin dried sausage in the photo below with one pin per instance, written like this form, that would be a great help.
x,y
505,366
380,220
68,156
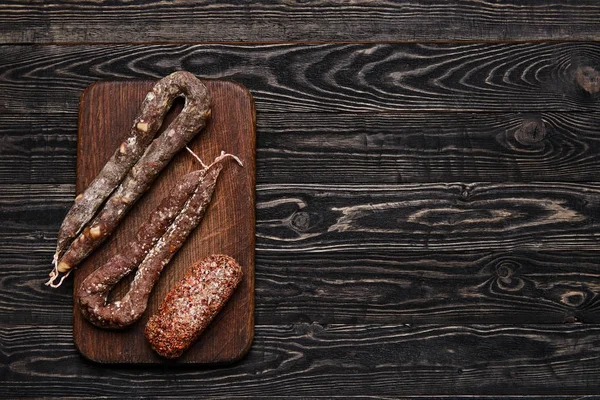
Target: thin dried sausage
x,y
131,170
156,242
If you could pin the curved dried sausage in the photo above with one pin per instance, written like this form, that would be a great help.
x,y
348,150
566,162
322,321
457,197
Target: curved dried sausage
x,y
131,170
156,242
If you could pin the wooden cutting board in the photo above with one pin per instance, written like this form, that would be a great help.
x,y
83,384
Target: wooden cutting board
x,y
106,113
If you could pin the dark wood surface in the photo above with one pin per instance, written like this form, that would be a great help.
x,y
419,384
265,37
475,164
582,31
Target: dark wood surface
x,y
106,112
427,210
69,21
322,78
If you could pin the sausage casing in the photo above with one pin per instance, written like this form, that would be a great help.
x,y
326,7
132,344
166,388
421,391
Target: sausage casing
x,y
131,170
156,243
192,304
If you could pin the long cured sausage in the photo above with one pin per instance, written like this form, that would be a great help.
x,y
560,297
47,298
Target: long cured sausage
x,y
131,170
156,242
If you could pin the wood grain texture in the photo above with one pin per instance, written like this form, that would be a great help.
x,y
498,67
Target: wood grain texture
x,y
427,147
362,148
309,359
41,151
361,397
437,217
522,77
407,217
516,287
291,20
106,113
344,314
387,284
511,287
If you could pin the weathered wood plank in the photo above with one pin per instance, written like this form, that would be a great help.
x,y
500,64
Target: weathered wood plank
x,y
517,287
313,218
29,211
327,360
519,77
47,155
269,21
428,147
437,217
309,281
362,148
497,269
353,397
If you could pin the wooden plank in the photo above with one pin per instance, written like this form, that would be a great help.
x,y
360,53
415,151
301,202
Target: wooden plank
x,y
405,217
307,218
352,397
513,287
427,147
363,148
31,214
363,20
521,77
332,360
300,279
37,157
107,110
516,287
358,397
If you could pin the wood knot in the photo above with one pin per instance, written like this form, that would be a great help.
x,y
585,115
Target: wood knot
x,y
300,221
573,298
531,131
588,79
506,279
504,270
465,192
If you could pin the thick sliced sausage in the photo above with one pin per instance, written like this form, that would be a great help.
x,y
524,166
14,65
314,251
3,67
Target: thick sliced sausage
x,y
192,304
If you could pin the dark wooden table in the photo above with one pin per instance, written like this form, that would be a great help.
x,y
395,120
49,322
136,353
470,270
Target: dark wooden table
x,y
428,202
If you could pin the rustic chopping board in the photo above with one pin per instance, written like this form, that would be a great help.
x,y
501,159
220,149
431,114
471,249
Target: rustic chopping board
x,y
106,113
